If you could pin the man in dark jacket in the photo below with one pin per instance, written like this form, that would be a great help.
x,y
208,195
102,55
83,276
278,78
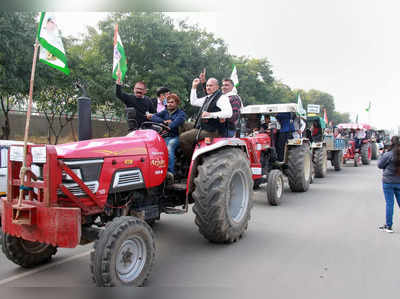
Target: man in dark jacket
x,y
138,100
173,117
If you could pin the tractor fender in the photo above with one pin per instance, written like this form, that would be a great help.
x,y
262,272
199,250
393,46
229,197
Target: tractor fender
x,y
204,148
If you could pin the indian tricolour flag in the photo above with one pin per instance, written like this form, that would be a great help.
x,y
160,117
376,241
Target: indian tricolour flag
x,y
51,47
234,78
119,62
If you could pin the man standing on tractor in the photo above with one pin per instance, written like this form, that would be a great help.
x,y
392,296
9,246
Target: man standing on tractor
x,y
214,107
299,126
138,100
173,117
285,132
359,136
236,103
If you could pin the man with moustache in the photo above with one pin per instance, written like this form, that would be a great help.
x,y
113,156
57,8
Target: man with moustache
x,y
138,100
214,106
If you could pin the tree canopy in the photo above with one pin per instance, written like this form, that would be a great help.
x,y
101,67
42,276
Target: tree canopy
x,y
159,52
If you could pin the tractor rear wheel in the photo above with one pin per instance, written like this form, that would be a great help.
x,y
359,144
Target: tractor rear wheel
x,y
299,169
337,160
366,153
223,195
25,253
124,253
320,161
275,187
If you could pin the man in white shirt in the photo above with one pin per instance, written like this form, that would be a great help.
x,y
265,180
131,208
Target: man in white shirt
x,y
359,136
214,107
299,127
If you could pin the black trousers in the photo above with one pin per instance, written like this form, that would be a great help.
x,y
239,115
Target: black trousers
x,y
280,143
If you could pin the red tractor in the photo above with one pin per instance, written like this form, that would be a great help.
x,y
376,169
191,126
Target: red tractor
x,y
261,138
358,150
109,190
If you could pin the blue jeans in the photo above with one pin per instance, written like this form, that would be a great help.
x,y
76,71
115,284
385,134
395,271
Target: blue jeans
x,y
231,133
390,191
172,144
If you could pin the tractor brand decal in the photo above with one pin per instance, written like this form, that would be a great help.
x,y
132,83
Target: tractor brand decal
x,y
256,170
158,172
128,162
157,153
102,191
160,163
128,151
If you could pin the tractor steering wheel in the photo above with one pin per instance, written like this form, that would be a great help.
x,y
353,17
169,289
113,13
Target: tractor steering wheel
x,y
160,128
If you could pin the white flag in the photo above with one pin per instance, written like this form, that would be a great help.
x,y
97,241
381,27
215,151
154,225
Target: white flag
x,y
51,47
300,108
234,78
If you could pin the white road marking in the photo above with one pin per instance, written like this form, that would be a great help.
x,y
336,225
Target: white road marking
x,y
30,272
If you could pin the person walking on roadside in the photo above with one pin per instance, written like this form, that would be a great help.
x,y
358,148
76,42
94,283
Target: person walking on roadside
x,y
390,163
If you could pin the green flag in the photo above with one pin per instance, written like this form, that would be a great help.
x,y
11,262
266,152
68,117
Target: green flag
x,y
300,108
52,50
234,77
119,62
369,107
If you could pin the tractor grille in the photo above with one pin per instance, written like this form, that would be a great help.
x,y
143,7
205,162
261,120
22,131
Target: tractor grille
x,y
77,191
128,178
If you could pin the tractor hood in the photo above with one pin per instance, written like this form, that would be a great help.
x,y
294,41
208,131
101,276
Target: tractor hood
x,y
136,143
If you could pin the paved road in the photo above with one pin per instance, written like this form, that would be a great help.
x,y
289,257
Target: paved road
x,y
319,244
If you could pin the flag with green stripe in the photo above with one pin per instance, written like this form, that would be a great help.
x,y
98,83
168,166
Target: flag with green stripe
x,y
52,50
119,62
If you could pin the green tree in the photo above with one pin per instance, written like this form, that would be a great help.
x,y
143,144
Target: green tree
x,y
16,51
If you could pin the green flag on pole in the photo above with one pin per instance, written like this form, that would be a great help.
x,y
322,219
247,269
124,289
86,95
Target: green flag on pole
x,y
119,62
234,78
302,112
52,50
369,107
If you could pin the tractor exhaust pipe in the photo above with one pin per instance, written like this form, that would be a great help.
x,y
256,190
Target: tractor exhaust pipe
x,y
84,115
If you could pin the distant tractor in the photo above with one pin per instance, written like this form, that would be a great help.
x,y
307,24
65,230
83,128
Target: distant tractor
x,y
297,164
325,147
358,150
318,145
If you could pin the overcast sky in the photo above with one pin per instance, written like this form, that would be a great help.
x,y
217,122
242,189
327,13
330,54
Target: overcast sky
x,y
350,49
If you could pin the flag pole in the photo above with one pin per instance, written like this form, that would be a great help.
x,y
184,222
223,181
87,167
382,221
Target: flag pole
x,y
28,118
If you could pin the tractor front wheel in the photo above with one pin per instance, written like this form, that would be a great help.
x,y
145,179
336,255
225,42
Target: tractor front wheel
x,y
25,253
124,253
275,187
223,195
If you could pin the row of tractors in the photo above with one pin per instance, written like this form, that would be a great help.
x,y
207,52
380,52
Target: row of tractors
x,y
110,191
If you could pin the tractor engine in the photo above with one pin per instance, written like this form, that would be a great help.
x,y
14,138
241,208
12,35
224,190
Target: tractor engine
x,y
106,177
